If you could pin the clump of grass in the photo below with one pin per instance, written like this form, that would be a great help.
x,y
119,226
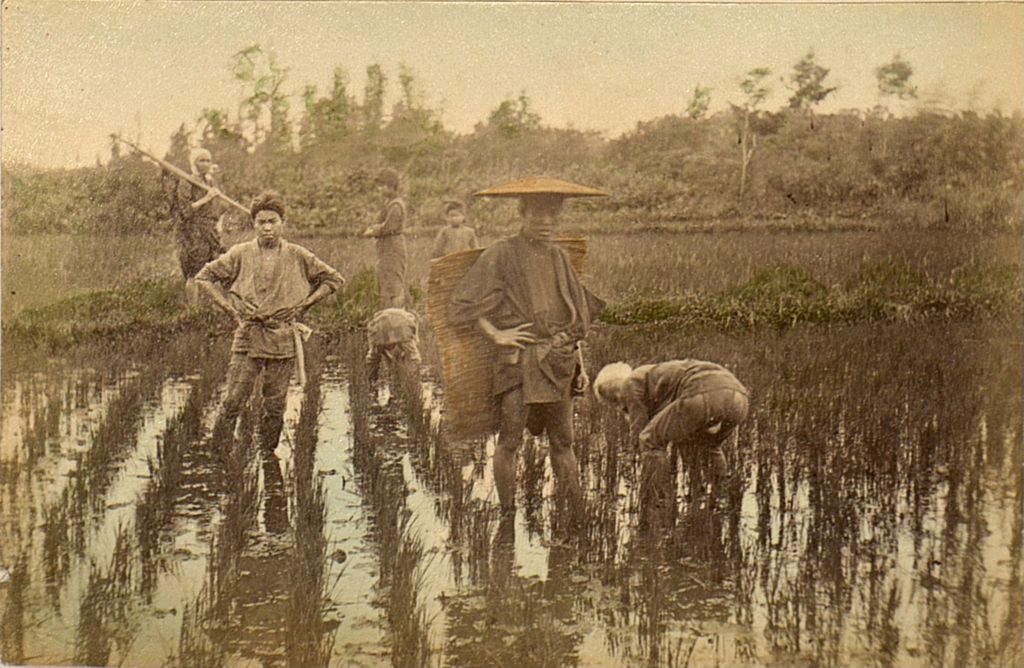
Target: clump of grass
x,y
358,301
353,306
889,289
991,288
788,296
639,308
144,307
798,288
307,642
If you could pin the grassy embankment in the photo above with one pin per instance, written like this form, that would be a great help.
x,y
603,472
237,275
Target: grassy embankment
x,y
728,281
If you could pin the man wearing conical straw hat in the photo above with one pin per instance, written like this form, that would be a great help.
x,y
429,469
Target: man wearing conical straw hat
x,y
526,298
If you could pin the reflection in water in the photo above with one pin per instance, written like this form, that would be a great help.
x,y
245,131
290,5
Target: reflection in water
x,y
869,512
12,638
307,641
105,619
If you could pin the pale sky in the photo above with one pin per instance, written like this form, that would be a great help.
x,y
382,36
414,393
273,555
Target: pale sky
x,y
75,71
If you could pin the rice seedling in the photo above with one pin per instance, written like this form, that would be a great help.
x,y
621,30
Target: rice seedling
x,y
12,620
69,518
106,620
183,432
308,643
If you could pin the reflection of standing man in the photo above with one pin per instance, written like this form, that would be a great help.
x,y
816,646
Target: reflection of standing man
x,y
270,284
196,213
389,230
524,295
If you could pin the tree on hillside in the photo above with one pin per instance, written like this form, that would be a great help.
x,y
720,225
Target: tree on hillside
x,y
215,127
697,108
406,82
512,118
894,87
755,90
263,85
178,152
894,80
807,82
412,122
328,118
373,98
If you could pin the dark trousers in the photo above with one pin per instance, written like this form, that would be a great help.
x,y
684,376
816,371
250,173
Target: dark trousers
x,y
242,374
692,428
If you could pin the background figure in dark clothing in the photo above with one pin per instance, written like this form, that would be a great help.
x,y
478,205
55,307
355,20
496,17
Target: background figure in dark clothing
x,y
196,212
524,295
389,231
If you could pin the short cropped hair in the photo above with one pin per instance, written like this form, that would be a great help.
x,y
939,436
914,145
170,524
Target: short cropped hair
x,y
616,371
268,199
390,178
453,205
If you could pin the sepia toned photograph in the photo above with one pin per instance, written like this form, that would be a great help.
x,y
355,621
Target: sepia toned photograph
x,y
472,334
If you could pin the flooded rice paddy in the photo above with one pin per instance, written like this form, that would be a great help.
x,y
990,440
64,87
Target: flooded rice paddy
x,y
871,515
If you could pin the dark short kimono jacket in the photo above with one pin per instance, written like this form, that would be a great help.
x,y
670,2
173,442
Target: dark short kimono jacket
x,y
523,280
198,241
652,388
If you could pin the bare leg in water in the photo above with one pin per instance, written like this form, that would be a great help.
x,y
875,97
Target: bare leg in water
x,y
557,421
510,437
563,461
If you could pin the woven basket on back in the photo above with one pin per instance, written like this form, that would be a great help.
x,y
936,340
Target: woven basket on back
x,y
467,356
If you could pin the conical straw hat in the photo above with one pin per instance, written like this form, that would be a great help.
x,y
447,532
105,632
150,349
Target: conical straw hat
x,y
540,185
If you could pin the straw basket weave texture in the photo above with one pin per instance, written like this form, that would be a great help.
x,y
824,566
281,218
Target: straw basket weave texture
x,y
467,356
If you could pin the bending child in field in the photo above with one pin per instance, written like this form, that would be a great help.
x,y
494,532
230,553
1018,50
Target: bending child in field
x,y
690,404
393,335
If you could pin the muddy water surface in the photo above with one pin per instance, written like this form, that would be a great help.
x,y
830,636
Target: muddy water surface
x,y
870,515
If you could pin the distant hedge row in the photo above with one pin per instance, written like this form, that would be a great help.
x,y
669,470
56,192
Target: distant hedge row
x,y
961,171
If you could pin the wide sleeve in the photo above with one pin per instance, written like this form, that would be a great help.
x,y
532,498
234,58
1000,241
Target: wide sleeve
x,y
182,198
588,305
481,292
319,273
224,269
437,250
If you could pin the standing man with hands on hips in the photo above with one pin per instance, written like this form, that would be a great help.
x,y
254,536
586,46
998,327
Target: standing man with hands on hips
x,y
266,285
